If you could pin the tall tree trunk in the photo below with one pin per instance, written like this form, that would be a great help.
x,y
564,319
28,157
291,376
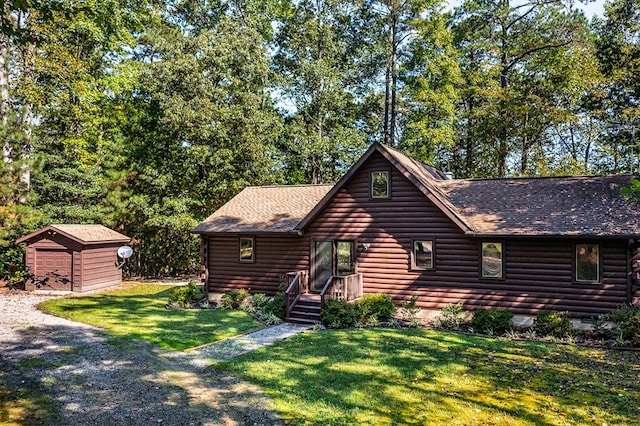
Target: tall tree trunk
x,y
526,146
5,101
394,76
387,100
503,134
27,120
469,145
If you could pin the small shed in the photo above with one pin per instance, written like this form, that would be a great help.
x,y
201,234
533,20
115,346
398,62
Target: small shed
x,y
75,258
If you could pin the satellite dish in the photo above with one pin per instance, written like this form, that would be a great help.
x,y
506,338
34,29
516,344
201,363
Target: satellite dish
x,y
125,252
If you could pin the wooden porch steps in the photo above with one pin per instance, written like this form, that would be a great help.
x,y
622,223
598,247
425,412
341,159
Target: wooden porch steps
x,y
305,310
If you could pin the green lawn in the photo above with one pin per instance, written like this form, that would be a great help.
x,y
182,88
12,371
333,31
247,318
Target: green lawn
x,y
139,311
387,377
23,404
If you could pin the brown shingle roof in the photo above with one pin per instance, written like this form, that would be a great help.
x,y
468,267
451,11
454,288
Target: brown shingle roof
x,y
265,209
580,205
84,234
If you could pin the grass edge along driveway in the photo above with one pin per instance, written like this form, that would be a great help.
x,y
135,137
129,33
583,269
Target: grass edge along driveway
x,y
384,376
138,311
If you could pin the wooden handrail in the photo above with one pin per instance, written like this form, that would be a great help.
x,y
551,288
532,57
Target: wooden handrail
x,y
292,284
298,284
351,288
327,285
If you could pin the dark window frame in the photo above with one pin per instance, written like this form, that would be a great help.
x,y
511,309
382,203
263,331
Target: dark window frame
x,y
388,173
353,255
413,266
502,260
599,265
253,249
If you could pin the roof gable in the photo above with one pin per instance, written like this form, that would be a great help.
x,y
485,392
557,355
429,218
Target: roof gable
x,y
264,209
423,176
83,234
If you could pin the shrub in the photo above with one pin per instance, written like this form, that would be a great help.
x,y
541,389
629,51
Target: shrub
x,y
276,305
339,314
451,316
627,319
495,322
186,296
551,323
374,308
269,319
409,312
266,309
234,299
601,330
258,300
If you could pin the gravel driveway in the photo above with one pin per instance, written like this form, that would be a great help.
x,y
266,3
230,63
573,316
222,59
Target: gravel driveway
x,y
94,379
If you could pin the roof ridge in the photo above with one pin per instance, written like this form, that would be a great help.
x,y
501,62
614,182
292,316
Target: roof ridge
x,y
537,177
297,185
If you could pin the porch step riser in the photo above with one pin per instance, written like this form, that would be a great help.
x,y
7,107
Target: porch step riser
x,y
305,312
308,308
305,315
302,320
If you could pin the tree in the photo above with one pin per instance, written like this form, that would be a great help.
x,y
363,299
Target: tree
x,y
397,19
205,130
80,77
619,58
518,64
431,77
327,68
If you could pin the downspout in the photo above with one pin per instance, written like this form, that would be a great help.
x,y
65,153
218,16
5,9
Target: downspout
x,y
204,248
629,298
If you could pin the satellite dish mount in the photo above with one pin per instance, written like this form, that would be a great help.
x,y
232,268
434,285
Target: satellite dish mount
x,y
124,253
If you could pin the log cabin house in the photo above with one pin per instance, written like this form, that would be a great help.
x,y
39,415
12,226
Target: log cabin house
x,y
398,226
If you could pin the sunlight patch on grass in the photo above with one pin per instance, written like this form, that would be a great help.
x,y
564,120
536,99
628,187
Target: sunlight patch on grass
x,y
139,311
24,404
425,377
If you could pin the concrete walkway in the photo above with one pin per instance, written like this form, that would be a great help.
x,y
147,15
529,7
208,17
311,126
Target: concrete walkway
x,y
236,346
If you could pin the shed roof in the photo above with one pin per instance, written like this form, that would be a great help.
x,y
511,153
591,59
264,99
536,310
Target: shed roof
x,y
265,209
83,234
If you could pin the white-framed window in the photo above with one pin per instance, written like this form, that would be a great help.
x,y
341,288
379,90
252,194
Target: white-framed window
x,y
588,263
491,262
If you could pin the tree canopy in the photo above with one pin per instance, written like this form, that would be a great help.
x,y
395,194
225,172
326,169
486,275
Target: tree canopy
x,y
146,116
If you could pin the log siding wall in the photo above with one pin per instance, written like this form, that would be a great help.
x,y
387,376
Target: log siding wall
x,y
275,255
538,273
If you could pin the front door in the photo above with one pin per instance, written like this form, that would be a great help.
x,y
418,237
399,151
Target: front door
x,y
332,258
322,264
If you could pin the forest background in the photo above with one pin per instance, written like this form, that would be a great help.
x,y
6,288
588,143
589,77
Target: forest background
x,y
148,115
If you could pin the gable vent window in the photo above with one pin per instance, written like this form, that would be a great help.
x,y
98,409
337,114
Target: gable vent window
x,y
492,260
380,184
588,263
